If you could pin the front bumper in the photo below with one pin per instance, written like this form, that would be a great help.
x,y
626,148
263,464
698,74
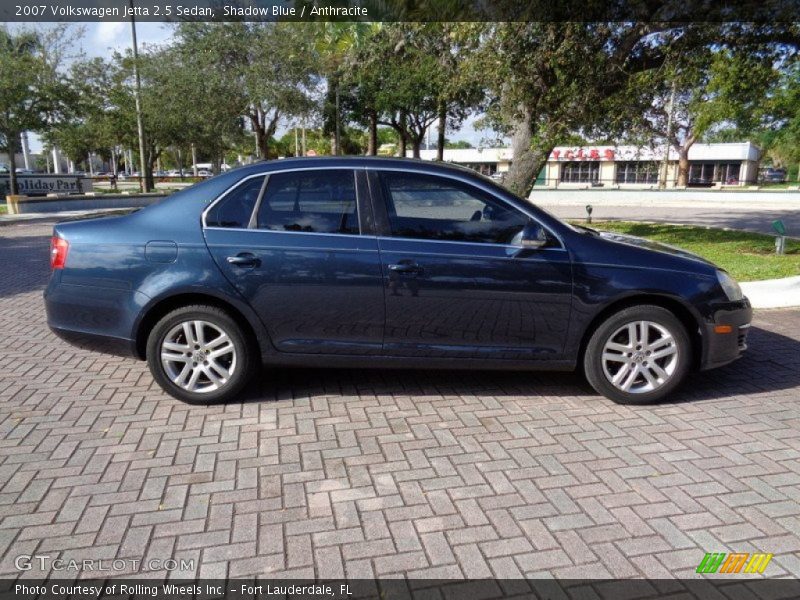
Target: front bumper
x,y
725,335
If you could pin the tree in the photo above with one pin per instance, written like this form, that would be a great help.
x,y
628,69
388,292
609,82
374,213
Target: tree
x,y
32,92
359,82
395,82
782,137
269,68
694,92
549,80
459,90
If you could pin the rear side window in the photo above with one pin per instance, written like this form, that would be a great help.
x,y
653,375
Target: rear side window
x,y
310,201
236,208
437,208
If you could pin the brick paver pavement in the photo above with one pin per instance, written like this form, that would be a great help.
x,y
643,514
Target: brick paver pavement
x,y
384,473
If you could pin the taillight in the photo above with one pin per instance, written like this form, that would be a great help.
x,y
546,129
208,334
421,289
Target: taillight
x,y
58,252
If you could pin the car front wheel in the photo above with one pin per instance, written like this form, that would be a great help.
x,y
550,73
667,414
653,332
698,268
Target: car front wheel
x,y
199,354
638,355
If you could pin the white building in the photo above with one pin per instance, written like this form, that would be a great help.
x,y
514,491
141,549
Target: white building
x,y
632,166
623,166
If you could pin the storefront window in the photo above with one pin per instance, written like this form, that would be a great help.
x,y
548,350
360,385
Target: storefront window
x,y
580,172
709,172
637,172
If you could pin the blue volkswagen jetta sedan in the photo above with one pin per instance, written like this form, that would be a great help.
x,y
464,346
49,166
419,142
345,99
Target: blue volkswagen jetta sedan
x,y
378,262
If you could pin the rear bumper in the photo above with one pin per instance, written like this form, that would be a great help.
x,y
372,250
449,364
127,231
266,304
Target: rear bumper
x,y
97,343
723,348
93,318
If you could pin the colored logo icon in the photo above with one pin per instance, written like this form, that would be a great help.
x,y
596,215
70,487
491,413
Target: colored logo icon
x,y
720,562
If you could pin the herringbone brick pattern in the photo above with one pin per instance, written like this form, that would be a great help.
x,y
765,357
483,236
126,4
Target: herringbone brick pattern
x,y
388,473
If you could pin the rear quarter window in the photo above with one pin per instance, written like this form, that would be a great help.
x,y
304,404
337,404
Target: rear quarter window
x,y
236,208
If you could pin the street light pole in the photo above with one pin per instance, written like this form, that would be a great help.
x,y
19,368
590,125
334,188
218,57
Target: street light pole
x,y
137,99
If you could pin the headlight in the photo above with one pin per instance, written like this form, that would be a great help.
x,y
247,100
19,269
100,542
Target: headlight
x,y
729,286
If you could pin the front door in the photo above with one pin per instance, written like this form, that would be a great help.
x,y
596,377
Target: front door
x,y
457,282
291,243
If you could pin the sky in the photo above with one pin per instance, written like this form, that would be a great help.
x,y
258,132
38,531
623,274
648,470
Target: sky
x,y
102,39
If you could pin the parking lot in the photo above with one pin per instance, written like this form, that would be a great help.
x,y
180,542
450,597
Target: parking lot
x,y
327,474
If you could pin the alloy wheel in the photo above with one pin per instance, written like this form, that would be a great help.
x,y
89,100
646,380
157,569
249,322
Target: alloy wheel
x,y
198,356
640,357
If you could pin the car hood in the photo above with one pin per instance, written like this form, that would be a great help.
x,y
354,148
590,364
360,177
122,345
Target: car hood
x,y
632,240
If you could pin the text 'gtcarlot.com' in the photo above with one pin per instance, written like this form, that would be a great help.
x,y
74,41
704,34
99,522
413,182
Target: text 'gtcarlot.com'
x,y
26,562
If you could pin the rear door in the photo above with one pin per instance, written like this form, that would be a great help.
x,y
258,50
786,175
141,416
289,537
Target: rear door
x,y
299,246
458,283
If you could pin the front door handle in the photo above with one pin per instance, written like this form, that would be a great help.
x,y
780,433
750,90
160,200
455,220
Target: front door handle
x,y
406,267
244,259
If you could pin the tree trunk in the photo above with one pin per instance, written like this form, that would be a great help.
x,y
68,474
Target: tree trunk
x,y
150,160
263,143
265,129
416,145
440,136
403,131
527,161
13,187
258,121
372,138
683,167
683,160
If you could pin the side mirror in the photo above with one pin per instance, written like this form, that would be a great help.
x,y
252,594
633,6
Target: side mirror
x,y
533,236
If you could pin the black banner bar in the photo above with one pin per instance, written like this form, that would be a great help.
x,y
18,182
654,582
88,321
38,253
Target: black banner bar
x,y
764,11
744,588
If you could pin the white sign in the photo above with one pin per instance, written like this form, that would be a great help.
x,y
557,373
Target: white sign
x,y
41,185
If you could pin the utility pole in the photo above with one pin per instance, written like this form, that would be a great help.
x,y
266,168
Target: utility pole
x,y
338,132
137,99
665,165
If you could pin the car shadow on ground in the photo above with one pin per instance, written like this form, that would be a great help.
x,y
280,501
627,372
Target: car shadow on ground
x,y
771,365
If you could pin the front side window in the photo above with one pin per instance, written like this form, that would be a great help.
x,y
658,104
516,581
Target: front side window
x,y
235,209
437,208
321,201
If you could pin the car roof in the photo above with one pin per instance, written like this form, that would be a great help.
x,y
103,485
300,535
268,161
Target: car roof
x,y
305,162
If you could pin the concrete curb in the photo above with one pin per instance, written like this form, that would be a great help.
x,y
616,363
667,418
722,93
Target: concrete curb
x,y
773,293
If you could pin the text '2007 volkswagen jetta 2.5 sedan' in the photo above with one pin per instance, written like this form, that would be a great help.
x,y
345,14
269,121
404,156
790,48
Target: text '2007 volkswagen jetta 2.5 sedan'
x,y
378,262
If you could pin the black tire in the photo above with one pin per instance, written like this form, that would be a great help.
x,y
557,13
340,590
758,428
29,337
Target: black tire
x,y
615,330
215,320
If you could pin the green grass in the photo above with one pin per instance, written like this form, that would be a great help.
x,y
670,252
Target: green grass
x,y
746,256
3,209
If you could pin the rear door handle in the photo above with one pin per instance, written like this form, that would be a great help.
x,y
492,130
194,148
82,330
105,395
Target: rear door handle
x,y
405,267
244,259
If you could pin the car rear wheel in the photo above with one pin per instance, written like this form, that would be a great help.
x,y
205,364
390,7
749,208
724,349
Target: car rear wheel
x,y
199,354
638,355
